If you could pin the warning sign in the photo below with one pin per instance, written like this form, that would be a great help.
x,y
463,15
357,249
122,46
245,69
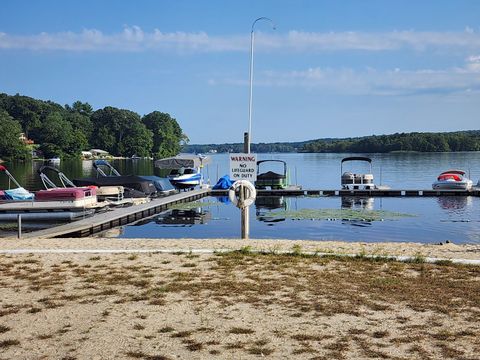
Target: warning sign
x,y
243,167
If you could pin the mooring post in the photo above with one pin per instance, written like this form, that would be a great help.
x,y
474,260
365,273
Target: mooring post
x,y
245,213
246,137
19,224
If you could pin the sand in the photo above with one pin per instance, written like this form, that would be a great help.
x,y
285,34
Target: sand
x,y
238,305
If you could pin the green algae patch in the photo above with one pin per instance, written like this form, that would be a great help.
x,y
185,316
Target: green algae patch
x,y
337,214
195,205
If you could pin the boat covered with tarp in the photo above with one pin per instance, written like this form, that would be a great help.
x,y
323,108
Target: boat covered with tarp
x,y
104,169
185,169
17,193
271,179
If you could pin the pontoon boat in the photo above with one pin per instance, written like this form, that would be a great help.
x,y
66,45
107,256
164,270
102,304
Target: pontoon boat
x,y
354,181
271,179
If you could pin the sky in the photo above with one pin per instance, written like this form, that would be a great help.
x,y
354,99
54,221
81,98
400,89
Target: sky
x,y
326,69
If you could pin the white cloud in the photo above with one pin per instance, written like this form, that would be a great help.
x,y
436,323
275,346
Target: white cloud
x,y
135,39
396,82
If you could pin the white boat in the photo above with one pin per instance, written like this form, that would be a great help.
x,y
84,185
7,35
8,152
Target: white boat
x,y
452,180
185,169
354,181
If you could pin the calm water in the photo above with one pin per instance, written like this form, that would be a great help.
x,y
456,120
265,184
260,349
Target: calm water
x,y
433,220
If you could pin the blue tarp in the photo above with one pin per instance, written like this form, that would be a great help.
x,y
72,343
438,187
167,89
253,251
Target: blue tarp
x,y
18,194
223,183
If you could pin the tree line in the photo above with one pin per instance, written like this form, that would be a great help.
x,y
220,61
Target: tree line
x,y
415,141
421,142
67,130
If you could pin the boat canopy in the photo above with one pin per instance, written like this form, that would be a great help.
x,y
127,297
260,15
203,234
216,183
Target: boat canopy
x,y
183,161
2,168
460,172
359,158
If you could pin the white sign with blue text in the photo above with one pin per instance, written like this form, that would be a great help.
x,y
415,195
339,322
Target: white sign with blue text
x,y
243,167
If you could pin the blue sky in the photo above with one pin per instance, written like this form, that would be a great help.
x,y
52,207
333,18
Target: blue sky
x,y
330,69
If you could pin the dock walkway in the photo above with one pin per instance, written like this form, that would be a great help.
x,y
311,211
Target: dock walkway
x,y
123,216
117,217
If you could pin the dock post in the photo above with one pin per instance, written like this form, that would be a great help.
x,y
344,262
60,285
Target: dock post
x,y
246,137
19,224
245,213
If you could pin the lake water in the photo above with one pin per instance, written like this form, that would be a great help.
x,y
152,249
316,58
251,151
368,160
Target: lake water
x,y
427,220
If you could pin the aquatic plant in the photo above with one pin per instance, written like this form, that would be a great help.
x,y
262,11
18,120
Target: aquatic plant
x,y
195,205
337,214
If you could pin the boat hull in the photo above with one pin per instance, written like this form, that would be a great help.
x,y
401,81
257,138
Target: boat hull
x,y
452,185
46,215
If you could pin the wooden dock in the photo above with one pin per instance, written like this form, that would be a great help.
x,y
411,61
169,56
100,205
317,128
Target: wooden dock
x,y
123,216
117,217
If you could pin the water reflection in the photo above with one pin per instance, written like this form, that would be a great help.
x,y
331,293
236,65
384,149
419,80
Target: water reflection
x,y
358,203
179,218
454,202
265,207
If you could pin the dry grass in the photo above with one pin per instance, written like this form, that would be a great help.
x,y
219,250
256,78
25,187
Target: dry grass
x,y
238,304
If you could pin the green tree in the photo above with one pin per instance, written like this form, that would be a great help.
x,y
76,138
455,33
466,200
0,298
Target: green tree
x,y
10,144
167,134
118,130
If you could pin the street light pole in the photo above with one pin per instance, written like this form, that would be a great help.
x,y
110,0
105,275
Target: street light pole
x,y
252,39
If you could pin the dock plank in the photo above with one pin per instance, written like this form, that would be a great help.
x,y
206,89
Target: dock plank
x,y
116,217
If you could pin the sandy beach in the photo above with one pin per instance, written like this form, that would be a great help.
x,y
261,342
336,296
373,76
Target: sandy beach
x,y
235,305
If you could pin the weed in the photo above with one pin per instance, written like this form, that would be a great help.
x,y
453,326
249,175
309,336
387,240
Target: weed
x,y
166,329
7,343
138,327
4,329
239,330
296,250
132,257
95,258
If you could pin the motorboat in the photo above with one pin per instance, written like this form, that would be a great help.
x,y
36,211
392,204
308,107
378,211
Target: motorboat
x,y
185,169
133,186
354,181
163,186
274,180
452,180
13,194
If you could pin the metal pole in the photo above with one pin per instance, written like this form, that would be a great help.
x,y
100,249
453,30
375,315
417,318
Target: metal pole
x,y
252,39
19,224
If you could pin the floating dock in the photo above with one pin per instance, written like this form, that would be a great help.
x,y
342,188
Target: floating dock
x,y
116,217
368,193
124,216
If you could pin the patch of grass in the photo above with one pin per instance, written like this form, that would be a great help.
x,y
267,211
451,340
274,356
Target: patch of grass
x,y
182,334
195,346
7,343
380,334
34,310
187,265
94,258
4,329
166,329
133,257
260,351
296,250
240,330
